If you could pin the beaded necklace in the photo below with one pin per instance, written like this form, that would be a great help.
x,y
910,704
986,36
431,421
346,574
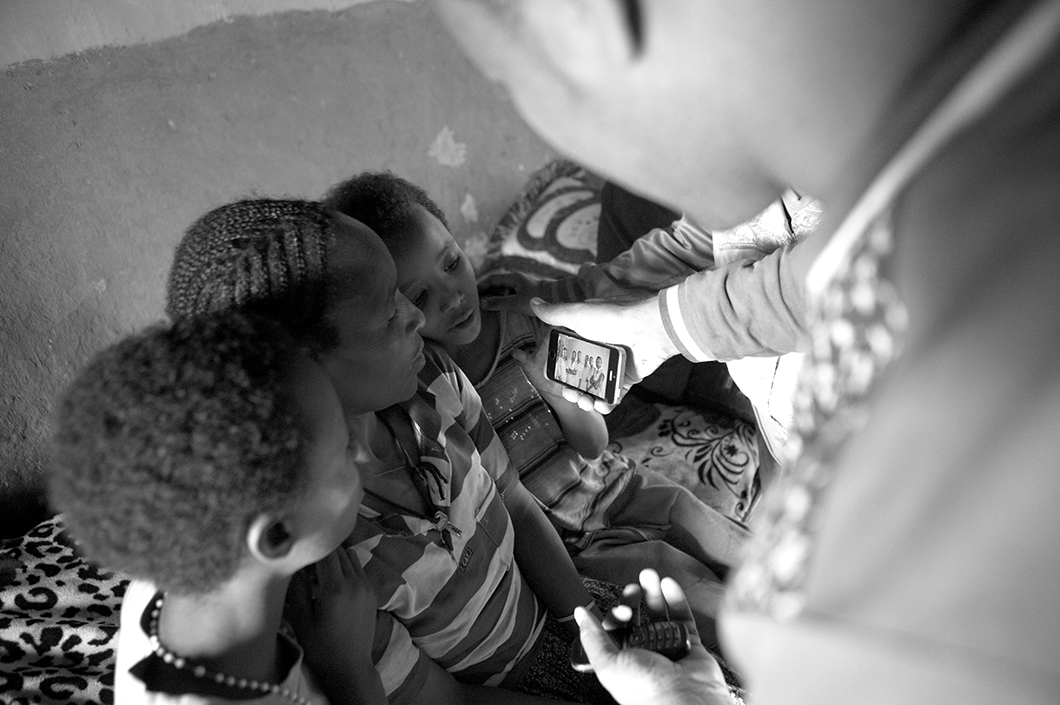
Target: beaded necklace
x,y
180,663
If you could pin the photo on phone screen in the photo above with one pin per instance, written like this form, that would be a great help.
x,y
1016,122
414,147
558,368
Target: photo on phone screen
x,y
593,368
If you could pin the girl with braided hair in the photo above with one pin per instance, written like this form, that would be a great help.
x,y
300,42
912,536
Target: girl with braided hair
x,y
473,584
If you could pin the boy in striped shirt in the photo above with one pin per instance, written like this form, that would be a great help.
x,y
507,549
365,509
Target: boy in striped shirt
x,y
463,563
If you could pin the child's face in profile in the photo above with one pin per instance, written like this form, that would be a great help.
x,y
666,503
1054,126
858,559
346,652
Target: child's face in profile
x,y
437,278
326,507
379,350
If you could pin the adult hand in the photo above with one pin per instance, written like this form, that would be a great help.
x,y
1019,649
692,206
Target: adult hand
x,y
633,323
638,676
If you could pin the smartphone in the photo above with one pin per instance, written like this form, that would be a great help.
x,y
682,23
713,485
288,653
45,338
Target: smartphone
x,y
669,639
592,368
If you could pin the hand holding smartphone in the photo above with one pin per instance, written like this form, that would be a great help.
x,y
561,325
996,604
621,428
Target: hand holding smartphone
x,y
592,368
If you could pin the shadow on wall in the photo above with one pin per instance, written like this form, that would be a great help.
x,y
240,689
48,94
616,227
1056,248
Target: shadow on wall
x,y
108,155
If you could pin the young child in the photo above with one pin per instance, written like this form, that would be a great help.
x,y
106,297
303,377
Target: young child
x,y
615,518
209,461
461,559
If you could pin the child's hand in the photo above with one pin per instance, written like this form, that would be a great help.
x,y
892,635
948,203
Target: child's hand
x,y
332,609
553,392
508,291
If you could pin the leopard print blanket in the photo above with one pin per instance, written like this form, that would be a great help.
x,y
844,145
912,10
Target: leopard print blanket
x,y
58,621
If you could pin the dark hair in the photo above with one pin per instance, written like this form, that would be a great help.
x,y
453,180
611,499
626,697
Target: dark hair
x,y
168,443
262,255
381,200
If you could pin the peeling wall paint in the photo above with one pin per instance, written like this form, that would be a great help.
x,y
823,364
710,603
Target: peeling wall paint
x,y
110,154
469,209
446,150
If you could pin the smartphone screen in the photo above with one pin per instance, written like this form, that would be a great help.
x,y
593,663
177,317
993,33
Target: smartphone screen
x,y
590,367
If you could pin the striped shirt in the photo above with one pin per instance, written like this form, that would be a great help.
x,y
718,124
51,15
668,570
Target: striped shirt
x,y
469,610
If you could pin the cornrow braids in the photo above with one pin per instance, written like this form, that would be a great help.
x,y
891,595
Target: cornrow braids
x,y
381,200
263,255
168,444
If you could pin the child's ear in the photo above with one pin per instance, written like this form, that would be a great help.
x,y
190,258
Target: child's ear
x,y
269,538
587,40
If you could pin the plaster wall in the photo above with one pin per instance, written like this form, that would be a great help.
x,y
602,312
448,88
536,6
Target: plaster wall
x,y
108,154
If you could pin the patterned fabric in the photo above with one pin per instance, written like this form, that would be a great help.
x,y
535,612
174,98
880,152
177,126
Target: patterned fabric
x,y
713,455
857,333
468,609
550,230
143,677
576,493
58,620
545,234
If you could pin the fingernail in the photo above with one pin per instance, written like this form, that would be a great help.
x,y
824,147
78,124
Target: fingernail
x,y
536,301
579,615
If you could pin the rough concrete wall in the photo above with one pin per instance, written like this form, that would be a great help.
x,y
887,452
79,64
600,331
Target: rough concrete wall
x,y
106,156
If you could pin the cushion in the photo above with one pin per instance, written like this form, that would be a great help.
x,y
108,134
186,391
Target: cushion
x,y
550,229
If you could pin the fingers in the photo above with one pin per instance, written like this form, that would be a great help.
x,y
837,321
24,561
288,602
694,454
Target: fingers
x,y
298,592
508,302
329,571
572,395
653,596
350,567
680,610
603,407
503,280
625,612
599,647
554,314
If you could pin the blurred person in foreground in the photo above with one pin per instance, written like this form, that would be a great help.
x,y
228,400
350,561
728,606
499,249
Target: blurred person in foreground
x,y
908,553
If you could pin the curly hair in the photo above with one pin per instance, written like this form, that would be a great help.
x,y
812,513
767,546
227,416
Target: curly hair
x,y
168,443
266,256
381,200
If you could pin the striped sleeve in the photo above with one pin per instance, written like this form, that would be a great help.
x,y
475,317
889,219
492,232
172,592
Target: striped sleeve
x,y
745,309
401,666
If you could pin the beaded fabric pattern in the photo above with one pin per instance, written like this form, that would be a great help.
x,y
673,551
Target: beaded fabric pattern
x,y
857,332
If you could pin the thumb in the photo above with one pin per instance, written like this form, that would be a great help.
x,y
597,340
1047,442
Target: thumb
x,y
544,310
599,646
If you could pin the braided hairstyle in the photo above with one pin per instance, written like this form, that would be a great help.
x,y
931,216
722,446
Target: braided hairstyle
x,y
263,255
383,201
169,443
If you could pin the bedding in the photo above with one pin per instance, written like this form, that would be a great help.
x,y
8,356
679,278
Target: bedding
x,y
59,615
58,621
